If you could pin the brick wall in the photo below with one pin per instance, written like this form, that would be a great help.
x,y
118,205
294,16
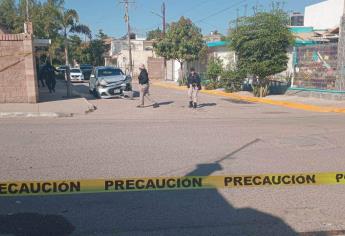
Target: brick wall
x,y
17,69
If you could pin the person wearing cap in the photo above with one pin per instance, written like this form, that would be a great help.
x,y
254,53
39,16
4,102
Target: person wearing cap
x,y
194,85
144,87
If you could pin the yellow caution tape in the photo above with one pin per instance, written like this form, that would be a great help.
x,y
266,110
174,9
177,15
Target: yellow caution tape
x,y
25,188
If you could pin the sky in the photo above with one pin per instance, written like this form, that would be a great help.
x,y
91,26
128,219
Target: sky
x,y
209,15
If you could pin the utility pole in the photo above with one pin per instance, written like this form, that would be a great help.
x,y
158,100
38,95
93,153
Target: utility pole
x,y
27,10
340,82
163,16
129,38
27,17
237,17
163,13
255,9
164,29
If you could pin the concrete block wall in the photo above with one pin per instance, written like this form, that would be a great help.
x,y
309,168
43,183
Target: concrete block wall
x,y
18,82
155,67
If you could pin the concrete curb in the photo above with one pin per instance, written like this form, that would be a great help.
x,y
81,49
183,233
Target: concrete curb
x,y
293,105
91,107
34,114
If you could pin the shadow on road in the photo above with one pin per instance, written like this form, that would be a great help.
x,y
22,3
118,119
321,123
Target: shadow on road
x,y
32,224
189,212
236,101
207,105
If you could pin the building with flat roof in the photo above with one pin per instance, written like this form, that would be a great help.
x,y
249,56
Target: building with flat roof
x,y
296,19
324,15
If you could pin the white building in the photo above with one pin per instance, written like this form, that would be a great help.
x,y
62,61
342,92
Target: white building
x,y
324,15
119,56
220,49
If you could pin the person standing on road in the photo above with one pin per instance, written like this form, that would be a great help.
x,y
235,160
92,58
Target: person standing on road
x,y
48,74
194,85
144,87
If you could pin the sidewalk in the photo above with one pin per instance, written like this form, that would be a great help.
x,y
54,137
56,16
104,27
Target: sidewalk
x,y
294,102
50,105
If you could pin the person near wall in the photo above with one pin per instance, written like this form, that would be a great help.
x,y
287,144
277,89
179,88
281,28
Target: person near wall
x,y
39,75
194,85
144,88
48,74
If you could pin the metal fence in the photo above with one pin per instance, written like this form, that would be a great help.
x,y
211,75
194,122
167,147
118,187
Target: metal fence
x,y
316,66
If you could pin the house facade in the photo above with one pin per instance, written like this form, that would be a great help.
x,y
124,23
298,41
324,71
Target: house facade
x,y
141,49
324,15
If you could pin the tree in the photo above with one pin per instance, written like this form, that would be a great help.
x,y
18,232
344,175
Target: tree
x,y
50,21
182,42
9,15
232,80
69,23
92,52
46,18
261,43
154,34
98,49
75,48
214,68
43,16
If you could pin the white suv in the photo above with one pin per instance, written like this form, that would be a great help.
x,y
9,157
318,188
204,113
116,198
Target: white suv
x,y
76,75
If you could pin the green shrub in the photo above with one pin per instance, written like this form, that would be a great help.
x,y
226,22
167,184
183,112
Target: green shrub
x,y
232,80
205,82
214,69
182,82
260,90
212,85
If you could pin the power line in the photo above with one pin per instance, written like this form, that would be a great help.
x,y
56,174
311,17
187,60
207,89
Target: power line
x,y
207,23
191,9
222,10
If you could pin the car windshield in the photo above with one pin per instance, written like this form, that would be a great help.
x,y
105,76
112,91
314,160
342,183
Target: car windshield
x,y
75,70
86,67
109,72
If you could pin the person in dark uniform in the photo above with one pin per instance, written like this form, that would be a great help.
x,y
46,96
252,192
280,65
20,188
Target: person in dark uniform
x,y
144,87
39,75
48,74
194,86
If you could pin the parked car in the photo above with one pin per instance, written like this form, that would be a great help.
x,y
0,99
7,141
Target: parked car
x,y
76,75
109,82
87,70
62,69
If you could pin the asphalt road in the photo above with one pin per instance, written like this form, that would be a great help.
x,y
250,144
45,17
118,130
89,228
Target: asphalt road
x,y
120,140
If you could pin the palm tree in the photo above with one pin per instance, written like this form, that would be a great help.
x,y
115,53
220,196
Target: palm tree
x,y
69,23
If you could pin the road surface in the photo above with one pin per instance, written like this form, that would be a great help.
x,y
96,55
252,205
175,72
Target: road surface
x,y
120,140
